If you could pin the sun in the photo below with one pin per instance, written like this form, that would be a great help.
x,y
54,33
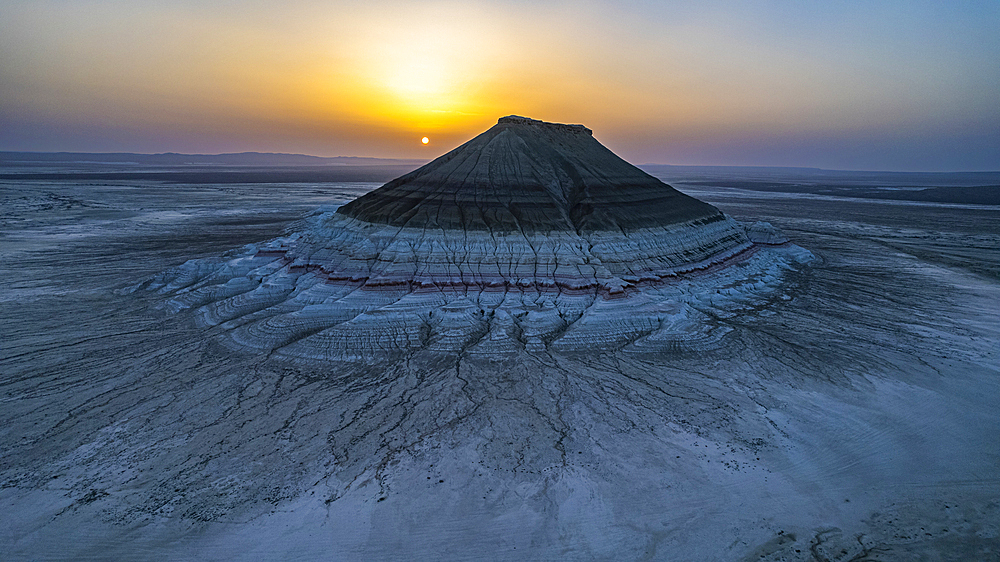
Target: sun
x,y
425,140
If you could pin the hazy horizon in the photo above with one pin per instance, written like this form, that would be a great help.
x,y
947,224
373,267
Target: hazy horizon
x,y
892,85
419,161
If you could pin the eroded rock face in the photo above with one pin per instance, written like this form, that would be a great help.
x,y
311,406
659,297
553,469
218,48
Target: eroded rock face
x,y
765,233
531,236
528,176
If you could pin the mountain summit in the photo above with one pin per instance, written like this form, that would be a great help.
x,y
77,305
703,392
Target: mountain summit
x,y
529,176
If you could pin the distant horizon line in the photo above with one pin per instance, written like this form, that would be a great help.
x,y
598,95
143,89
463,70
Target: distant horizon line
x,y
289,155
51,156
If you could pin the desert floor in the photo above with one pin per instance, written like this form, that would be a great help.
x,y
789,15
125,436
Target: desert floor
x,y
857,418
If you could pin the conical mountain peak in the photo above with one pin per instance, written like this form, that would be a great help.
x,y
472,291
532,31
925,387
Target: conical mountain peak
x,y
529,176
530,237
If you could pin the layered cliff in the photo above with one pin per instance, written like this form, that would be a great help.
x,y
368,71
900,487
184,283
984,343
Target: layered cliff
x,y
529,176
530,236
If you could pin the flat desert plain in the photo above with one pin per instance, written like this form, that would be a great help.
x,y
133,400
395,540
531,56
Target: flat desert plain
x,y
855,416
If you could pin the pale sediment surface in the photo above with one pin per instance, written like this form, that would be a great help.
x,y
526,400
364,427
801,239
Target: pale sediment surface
x,y
850,412
338,289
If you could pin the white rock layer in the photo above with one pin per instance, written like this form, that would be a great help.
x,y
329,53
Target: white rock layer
x,y
343,289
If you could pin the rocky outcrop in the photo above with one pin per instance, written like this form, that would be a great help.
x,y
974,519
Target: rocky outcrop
x,y
765,233
531,236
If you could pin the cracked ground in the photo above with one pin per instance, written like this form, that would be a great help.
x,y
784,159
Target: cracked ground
x,y
855,421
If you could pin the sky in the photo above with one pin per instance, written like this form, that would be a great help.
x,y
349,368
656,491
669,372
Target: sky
x,y
874,85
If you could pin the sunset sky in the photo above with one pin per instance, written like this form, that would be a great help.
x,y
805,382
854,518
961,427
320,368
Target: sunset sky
x,y
888,85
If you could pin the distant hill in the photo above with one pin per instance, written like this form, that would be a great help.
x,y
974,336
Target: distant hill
x,y
175,159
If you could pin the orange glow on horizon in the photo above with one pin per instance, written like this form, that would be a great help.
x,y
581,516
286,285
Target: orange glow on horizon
x,y
354,78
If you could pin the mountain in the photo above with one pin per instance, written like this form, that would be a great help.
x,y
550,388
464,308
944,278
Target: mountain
x,y
528,175
531,235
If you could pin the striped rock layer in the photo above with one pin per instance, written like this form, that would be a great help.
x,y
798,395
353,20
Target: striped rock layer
x,y
529,176
532,236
